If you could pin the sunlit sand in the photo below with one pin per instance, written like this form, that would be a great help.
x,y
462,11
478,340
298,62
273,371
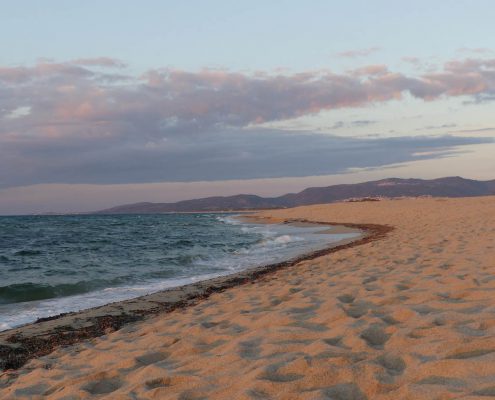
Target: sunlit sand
x,y
406,316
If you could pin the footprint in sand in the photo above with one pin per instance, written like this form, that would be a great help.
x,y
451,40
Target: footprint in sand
x,y
151,358
203,347
358,309
375,336
158,382
102,386
394,365
34,390
488,391
192,395
335,341
257,394
250,349
343,391
310,326
442,380
470,354
346,298
272,374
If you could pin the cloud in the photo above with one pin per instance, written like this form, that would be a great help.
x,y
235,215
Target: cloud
x,y
359,52
475,50
227,154
370,70
100,62
89,121
338,125
442,126
354,124
363,122
80,98
479,130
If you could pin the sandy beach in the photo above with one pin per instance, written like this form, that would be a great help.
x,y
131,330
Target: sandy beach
x,y
407,315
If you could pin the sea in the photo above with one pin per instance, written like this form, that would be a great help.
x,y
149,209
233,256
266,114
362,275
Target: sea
x,y
55,264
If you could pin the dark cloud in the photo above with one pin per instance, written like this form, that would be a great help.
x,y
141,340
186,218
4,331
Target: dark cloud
x,y
225,154
354,124
337,125
479,130
480,98
363,122
88,121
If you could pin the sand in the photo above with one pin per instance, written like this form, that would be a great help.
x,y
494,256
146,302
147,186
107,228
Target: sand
x,y
21,344
408,316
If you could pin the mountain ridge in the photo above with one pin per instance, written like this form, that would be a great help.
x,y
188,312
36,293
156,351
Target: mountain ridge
x,y
390,187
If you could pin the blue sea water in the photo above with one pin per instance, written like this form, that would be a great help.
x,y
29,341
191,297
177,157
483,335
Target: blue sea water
x,y
55,264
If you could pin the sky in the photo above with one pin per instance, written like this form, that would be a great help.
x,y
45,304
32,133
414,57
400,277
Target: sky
x,y
114,102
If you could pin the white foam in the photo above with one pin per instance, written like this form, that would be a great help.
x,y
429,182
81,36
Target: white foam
x,y
280,242
13,315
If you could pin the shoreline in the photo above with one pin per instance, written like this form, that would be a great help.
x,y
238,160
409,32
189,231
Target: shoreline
x,y
407,316
21,344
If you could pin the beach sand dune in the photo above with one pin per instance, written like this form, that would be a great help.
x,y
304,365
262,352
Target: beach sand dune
x,y
408,316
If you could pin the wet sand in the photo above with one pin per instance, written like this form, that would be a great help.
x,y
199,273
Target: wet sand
x,y
407,316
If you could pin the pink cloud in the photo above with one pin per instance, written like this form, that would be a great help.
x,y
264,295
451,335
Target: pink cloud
x,y
100,62
475,50
369,70
75,97
358,52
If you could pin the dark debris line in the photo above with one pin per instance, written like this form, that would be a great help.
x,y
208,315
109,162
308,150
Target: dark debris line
x,y
21,349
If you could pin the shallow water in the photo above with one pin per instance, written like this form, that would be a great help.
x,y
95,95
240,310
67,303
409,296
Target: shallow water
x,y
55,264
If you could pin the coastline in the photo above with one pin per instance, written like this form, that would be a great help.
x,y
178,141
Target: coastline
x,y
20,344
408,316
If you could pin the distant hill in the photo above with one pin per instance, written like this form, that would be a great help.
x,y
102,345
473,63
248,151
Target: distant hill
x,y
393,187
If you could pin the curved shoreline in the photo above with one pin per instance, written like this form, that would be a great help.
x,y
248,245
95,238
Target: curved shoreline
x,y
19,345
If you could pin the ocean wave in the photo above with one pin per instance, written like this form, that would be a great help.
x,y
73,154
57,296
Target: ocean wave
x,y
229,219
98,262
24,292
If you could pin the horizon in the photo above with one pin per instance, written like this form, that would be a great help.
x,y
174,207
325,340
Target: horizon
x,y
174,102
289,193
94,212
